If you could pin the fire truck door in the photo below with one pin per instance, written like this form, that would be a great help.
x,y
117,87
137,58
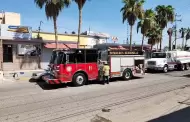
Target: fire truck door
x,y
92,70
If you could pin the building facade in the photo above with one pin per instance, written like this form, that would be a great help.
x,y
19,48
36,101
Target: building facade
x,y
86,40
48,43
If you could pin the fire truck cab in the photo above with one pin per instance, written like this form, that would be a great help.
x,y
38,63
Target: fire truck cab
x,y
73,65
81,65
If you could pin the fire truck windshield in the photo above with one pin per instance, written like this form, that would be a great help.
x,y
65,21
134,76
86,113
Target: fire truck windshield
x,y
53,57
60,59
57,57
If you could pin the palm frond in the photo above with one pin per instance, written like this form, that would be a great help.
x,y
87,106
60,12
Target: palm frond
x,y
40,3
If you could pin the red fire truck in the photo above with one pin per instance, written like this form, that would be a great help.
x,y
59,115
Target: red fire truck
x,y
81,65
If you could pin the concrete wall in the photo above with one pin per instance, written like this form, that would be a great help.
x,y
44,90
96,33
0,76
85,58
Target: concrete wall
x,y
20,62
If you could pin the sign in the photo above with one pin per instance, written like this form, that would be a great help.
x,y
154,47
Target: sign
x,y
102,35
23,49
123,52
16,32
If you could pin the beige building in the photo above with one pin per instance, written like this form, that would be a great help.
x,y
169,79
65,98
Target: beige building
x,y
10,18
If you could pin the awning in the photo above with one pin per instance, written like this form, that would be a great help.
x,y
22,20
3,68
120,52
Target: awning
x,y
60,45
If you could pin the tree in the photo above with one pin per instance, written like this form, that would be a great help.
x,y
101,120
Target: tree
x,y
183,32
131,11
80,4
187,37
170,32
164,14
154,35
146,23
52,10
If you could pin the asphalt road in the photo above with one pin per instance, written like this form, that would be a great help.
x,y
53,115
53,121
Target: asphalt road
x,y
36,102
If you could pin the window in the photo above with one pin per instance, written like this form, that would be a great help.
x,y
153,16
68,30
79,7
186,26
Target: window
x,y
28,49
7,53
71,57
169,55
80,58
91,56
159,55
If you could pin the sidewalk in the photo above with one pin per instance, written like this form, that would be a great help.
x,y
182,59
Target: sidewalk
x,y
19,75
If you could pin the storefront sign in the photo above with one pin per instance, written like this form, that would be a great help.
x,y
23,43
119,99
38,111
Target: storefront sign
x,y
16,32
27,49
122,52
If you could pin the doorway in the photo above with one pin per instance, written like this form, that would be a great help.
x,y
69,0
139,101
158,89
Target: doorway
x,y
8,53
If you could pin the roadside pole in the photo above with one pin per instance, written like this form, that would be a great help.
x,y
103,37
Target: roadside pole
x,y
175,29
1,49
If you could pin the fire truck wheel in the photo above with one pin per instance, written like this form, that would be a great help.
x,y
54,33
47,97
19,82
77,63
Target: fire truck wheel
x,y
127,74
165,69
182,67
187,67
79,79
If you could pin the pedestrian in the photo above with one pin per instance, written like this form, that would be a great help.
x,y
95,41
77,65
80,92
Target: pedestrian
x,y
106,70
101,73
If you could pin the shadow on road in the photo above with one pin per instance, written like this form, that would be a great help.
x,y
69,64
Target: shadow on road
x,y
188,76
182,115
46,86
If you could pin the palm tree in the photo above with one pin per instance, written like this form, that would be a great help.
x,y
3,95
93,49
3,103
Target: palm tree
x,y
187,37
131,11
146,23
154,36
170,32
52,10
164,15
183,32
80,4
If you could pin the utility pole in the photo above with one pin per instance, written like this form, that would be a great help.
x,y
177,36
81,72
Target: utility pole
x,y
1,41
175,27
89,29
39,29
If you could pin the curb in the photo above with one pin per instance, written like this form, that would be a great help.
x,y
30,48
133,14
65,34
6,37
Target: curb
x,y
21,79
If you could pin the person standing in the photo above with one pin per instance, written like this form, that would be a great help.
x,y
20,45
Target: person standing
x,y
106,70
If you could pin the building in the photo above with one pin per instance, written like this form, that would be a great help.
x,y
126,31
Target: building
x,y
87,40
20,46
7,18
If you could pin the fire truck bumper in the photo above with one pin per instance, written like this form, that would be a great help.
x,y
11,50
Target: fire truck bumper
x,y
49,79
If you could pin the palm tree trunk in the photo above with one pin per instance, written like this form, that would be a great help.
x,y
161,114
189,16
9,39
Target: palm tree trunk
x,y
170,42
131,32
185,42
142,43
79,26
182,45
55,30
151,46
161,42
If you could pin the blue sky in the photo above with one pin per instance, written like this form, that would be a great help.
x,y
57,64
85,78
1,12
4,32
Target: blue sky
x,y
101,16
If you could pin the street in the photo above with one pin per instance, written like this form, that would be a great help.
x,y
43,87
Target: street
x,y
138,100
